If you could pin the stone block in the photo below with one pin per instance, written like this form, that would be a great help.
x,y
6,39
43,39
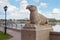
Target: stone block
x,y
33,32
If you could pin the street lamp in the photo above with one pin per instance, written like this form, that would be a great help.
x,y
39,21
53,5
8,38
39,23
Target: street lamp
x,y
5,28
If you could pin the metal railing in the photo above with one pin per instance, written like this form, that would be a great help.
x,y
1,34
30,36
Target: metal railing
x,y
13,26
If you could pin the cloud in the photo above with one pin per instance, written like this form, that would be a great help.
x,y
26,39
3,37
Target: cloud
x,y
56,10
10,9
56,16
42,5
46,14
20,13
52,15
36,0
49,15
55,13
17,0
13,12
2,4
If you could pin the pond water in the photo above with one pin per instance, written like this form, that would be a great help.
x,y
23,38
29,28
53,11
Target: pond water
x,y
20,26
14,26
56,28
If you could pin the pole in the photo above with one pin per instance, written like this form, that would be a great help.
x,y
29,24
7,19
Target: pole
x,y
5,24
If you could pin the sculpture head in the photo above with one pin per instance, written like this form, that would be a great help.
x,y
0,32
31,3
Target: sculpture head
x,y
31,8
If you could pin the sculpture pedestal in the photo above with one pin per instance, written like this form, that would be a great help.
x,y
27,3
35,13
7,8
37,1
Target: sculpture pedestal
x,y
35,32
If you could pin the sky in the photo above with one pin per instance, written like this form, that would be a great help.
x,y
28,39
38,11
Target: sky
x,y
17,8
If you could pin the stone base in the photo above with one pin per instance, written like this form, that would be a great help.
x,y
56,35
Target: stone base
x,y
35,32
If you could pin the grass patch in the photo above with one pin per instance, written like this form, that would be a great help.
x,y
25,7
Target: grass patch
x,y
4,37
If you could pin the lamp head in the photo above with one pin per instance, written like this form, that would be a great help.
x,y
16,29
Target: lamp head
x,y
5,8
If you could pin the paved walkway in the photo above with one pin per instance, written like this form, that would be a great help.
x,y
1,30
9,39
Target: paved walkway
x,y
16,34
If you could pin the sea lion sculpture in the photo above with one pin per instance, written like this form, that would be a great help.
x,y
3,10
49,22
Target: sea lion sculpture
x,y
35,17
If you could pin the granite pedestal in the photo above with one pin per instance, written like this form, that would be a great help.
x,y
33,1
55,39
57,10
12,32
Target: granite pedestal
x,y
35,32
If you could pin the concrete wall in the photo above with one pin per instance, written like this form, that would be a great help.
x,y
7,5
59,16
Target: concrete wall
x,y
54,35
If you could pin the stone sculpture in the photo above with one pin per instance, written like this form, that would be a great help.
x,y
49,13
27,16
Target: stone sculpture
x,y
35,17
34,30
